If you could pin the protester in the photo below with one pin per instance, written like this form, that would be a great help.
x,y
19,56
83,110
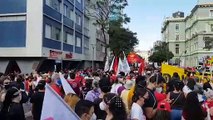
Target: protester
x,y
12,108
192,109
171,82
177,100
37,100
74,84
95,92
56,84
118,83
5,86
124,94
85,110
114,107
163,111
138,99
105,87
150,105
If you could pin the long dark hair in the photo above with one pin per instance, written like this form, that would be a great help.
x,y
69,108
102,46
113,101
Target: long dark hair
x,y
11,93
116,106
192,108
162,115
139,92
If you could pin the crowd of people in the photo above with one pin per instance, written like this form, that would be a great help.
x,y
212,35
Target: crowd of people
x,y
109,96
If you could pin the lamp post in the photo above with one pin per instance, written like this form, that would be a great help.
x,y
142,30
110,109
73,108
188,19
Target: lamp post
x,y
93,55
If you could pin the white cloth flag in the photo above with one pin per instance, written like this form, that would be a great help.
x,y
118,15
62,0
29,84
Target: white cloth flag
x,y
106,67
66,86
120,66
112,63
54,107
125,65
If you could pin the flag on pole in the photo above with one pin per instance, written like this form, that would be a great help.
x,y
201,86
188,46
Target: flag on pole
x,y
142,67
66,86
111,66
125,64
106,67
54,107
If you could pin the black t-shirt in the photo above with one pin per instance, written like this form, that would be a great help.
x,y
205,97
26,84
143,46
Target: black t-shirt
x,y
152,101
37,100
101,115
178,100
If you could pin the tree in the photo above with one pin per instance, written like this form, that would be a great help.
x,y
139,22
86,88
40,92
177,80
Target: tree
x,y
102,10
161,53
121,39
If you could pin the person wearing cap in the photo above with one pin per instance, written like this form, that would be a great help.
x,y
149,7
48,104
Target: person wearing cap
x,y
124,94
37,100
163,111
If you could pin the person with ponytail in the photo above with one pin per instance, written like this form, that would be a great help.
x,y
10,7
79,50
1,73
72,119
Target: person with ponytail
x,y
12,108
138,100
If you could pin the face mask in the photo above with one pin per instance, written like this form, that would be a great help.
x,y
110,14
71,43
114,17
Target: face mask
x,y
102,106
94,117
97,78
120,80
159,89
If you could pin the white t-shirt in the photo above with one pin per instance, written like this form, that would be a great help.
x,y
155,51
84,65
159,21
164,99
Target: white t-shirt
x,y
137,112
115,87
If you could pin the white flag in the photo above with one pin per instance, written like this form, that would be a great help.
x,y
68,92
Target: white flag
x,y
125,65
66,86
54,107
106,67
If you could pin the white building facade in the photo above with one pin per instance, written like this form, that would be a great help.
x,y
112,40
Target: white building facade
x,y
186,36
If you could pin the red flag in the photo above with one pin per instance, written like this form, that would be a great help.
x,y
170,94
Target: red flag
x,y
142,67
115,64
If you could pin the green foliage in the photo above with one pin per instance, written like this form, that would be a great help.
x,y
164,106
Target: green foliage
x,y
121,39
161,53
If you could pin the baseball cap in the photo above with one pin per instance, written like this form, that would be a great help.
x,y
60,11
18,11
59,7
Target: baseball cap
x,y
163,105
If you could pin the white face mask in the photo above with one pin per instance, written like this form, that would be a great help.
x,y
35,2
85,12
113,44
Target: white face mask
x,y
97,78
94,117
102,106
159,89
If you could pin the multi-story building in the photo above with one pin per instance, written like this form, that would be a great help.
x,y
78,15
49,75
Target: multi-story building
x,y
186,35
38,34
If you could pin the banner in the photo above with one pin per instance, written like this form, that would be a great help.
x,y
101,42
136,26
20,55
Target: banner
x,y
66,86
125,65
54,107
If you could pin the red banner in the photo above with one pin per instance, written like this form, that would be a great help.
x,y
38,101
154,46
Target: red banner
x,y
133,58
68,56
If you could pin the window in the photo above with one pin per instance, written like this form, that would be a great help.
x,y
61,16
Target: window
x,y
177,48
71,14
177,37
56,34
47,31
79,1
78,19
177,27
211,28
65,37
78,42
70,39
65,10
48,2
211,13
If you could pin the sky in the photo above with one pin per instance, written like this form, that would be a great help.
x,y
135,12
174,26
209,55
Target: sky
x,y
147,17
